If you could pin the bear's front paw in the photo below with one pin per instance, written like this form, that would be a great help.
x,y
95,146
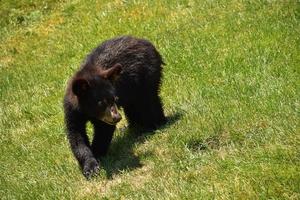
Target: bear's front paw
x,y
90,168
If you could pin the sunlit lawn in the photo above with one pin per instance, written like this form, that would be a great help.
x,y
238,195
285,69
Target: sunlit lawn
x,y
230,90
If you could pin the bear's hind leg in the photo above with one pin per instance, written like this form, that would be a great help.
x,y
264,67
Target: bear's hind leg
x,y
153,115
146,112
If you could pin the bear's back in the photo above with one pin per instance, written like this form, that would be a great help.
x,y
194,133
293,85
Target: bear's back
x,y
126,50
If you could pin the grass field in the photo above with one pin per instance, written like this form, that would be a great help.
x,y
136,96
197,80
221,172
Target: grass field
x,y
230,88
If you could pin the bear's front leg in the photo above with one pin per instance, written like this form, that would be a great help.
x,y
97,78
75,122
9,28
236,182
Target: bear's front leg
x,y
103,134
76,131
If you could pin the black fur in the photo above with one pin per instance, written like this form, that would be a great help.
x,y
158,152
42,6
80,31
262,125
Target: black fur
x,y
136,84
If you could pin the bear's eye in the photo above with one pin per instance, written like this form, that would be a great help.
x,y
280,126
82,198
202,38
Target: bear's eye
x,y
100,103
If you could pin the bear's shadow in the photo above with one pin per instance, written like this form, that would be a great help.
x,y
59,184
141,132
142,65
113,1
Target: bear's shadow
x,y
121,155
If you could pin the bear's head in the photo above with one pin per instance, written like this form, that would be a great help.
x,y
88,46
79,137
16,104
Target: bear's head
x,y
96,95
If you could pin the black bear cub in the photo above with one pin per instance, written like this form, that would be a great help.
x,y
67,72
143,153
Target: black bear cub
x,y
123,71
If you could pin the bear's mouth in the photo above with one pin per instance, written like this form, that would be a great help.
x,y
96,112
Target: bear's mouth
x,y
110,122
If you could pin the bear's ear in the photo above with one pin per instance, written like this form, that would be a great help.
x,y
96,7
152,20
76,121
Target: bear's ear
x,y
112,73
80,86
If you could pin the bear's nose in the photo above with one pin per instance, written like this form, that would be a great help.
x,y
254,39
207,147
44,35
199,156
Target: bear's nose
x,y
117,117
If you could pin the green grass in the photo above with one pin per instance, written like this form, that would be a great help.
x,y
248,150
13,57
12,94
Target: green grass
x,y
231,86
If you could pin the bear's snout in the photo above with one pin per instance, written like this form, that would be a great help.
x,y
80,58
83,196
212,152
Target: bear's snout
x,y
116,117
